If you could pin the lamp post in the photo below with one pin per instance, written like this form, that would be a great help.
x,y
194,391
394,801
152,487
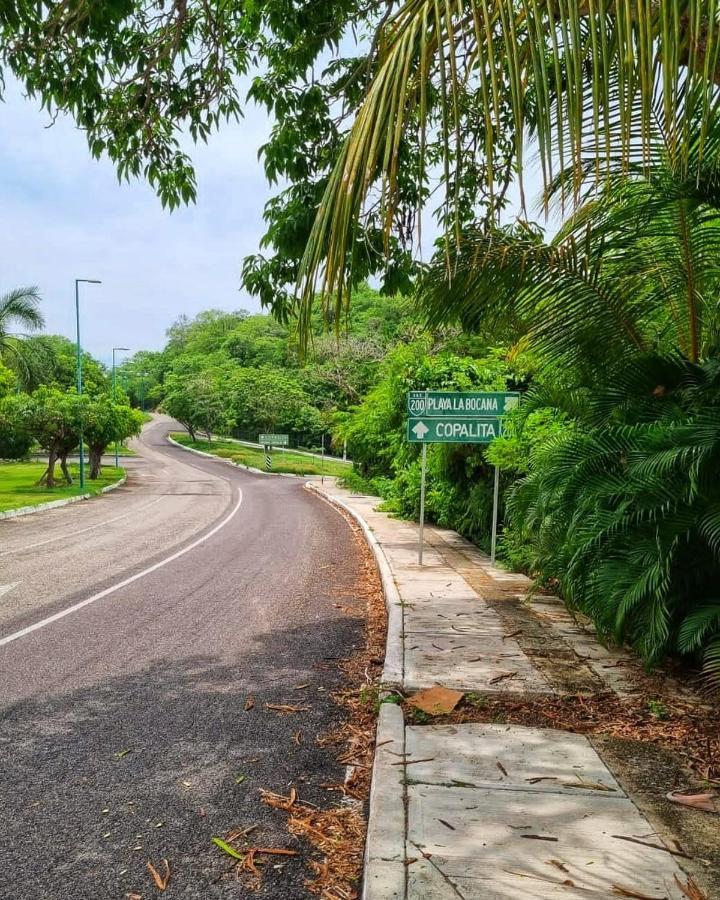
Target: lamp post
x,y
127,349
143,376
78,282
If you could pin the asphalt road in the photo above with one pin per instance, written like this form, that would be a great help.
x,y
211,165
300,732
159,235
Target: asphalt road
x,y
133,629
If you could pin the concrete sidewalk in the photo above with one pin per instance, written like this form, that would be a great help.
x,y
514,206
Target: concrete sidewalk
x,y
488,810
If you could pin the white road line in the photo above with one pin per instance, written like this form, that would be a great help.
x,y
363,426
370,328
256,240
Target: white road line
x,y
65,537
4,588
116,587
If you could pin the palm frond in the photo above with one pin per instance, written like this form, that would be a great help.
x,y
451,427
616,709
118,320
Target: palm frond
x,y
606,78
20,307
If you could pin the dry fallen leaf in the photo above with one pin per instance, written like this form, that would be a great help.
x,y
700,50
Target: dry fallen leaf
x,y
708,801
161,881
692,889
249,704
620,891
286,708
557,864
436,701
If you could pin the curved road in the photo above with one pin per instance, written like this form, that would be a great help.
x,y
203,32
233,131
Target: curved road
x,y
133,629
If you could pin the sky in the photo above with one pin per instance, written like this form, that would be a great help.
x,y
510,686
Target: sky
x,y
65,216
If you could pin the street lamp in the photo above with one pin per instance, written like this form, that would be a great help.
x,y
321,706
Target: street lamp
x,y
143,376
79,281
127,349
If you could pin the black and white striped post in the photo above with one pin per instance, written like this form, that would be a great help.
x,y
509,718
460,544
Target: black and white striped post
x,y
268,459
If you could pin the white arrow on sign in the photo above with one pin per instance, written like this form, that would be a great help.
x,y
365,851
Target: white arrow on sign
x,y
420,430
4,588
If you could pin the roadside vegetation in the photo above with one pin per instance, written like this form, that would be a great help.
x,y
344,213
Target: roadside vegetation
x,y
609,325
282,460
40,409
20,484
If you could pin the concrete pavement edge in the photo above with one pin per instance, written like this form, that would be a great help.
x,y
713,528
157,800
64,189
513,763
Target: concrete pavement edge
x,y
393,668
385,869
229,462
55,504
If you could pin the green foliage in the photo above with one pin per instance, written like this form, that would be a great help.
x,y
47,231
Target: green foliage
x,y
52,361
624,509
15,437
8,381
254,457
459,493
195,401
106,421
143,72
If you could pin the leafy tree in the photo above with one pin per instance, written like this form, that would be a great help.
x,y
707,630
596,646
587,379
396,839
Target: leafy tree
x,y
639,267
142,376
15,438
268,399
52,418
196,402
52,361
104,422
142,72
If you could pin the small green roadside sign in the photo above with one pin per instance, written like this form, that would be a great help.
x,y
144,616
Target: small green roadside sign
x,y
452,430
457,417
274,440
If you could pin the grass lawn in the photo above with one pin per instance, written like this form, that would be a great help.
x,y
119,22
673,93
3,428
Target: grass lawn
x,y
18,484
295,463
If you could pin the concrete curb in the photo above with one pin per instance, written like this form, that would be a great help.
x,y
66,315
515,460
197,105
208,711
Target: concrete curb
x,y
394,667
235,465
54,504
385,872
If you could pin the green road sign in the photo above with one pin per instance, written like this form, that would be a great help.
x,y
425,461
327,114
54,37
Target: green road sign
x,y
453,430
460,404
274,440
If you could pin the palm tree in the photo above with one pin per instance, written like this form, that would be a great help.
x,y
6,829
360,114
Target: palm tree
x,y
19,307
598,88
621,309
635,271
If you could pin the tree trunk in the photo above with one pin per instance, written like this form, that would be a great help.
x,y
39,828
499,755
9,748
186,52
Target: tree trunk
x,y
95,462
191,432
65,470
48,476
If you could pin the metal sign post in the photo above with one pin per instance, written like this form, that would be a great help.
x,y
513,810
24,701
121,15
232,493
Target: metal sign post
x,y
496,500
422,503
457,417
